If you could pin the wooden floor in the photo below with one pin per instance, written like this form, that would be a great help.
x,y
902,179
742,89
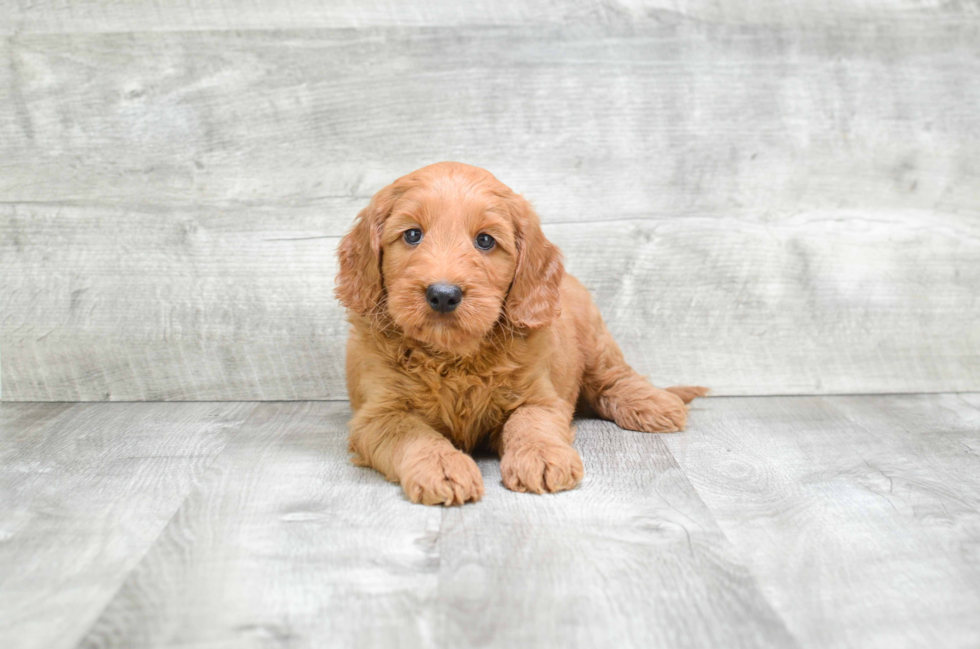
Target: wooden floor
x,y
774,521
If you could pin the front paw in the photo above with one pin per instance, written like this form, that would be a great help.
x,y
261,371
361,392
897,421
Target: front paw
x,y
541,467
441,478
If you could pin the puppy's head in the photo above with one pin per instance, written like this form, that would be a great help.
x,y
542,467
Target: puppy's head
x,y
445,253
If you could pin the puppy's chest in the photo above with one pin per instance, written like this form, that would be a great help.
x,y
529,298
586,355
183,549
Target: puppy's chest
x,y
462,404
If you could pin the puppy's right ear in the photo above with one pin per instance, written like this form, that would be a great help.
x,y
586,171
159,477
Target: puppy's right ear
x,y
359,281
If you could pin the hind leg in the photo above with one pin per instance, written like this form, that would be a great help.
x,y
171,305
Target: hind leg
x,y
634,404
616,392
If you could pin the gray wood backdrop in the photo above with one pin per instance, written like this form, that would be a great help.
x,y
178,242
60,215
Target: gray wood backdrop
x,y
766,197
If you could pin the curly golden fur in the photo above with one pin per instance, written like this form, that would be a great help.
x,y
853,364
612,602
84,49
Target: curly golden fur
x,y
504,370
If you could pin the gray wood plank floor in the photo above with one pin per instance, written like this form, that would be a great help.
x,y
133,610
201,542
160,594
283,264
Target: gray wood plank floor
x,y
860,517
774,521
84,492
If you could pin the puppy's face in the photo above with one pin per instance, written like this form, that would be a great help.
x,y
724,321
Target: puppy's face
x,y
444,253
449,253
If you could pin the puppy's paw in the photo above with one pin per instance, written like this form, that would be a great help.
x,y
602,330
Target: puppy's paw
x,y
442,478
541,467
656,411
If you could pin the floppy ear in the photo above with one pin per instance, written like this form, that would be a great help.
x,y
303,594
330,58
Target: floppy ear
x,y
534,299
359,281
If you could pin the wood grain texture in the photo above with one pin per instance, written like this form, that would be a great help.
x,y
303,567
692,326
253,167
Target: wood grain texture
x,y
783,521
239,302
631,558
288,542
765,209
592,122
860,517
84,491
47,16
227,304
18,421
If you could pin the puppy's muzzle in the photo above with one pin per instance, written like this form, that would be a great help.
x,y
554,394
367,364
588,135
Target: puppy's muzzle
x,y
443,297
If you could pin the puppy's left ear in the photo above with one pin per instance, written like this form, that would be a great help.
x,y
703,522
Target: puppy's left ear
x,y
534,299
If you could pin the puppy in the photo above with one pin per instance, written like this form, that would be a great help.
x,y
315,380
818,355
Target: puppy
x,y
467,331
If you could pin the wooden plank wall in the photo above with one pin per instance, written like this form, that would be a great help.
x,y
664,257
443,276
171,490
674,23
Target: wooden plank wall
x,y
765,197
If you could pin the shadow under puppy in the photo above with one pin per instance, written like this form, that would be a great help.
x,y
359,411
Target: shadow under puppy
x,y
467,331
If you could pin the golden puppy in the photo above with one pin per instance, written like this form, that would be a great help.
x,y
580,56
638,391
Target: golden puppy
x,y
466,331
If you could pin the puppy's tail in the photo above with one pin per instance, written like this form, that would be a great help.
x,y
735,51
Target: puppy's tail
x,y
688,393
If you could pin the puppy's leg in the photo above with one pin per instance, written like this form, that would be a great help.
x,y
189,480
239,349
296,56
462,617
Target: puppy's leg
x,y
536,452
615,391
407,450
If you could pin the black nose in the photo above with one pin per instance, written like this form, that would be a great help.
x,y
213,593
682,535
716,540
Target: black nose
x,y
443,297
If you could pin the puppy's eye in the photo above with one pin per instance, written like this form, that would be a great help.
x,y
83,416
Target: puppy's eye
x,y
484,241
413,236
